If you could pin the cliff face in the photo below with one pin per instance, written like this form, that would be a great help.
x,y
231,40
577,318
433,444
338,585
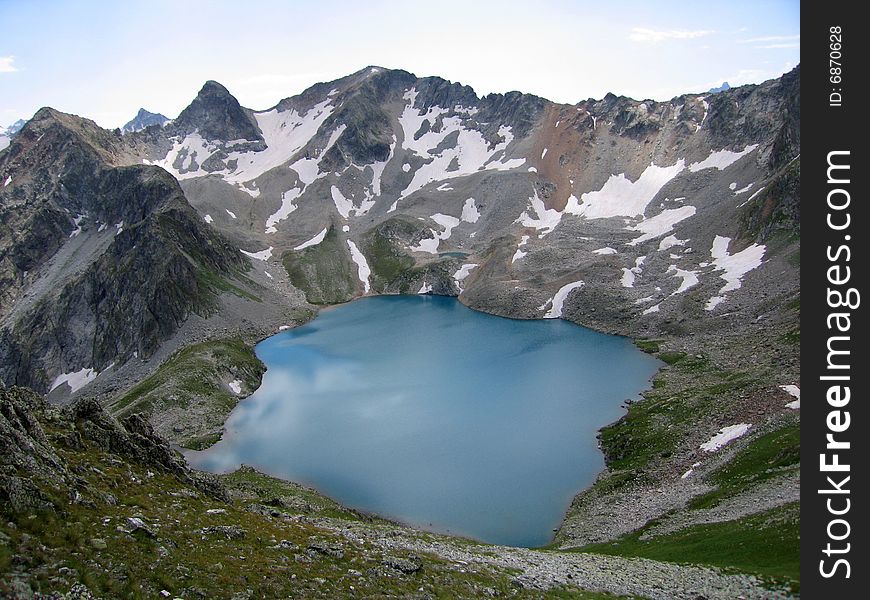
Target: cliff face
x,y
99,262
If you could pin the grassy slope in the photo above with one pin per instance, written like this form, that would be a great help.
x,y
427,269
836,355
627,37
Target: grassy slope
x,y
196,375
765,544
689,390
271,556
324,272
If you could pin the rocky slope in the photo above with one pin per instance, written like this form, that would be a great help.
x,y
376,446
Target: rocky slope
x,y
100,262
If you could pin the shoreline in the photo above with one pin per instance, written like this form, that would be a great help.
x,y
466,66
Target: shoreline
x,y
552,535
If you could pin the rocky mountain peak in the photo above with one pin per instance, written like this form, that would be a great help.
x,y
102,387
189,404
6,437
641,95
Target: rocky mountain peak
x,y
216,114
143,119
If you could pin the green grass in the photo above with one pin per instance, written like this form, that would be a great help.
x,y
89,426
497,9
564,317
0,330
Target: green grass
x,y
766,544
248,483
198,375
648,346
654,427
387,261
211,280
324,272
765,457
188,563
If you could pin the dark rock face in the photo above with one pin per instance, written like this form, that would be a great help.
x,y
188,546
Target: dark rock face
x,y
218,116
144,119
148,263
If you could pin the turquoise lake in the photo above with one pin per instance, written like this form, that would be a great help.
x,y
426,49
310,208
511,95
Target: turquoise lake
x,y
423,411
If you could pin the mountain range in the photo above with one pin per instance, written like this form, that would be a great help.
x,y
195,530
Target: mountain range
x,y
676,223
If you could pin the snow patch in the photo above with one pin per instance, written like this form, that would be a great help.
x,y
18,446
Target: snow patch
x,y
75,380
77,221
463,272
313,241
470,154
751,198
346,207
621,197
743,189
558,300
734,266
605,250
236,386
208,219
520,253
725,435
8,181
252,192
470,212
230,213
628,275
795,392
286,133
651,310
288,205
261,255
430,245
425,288
342,204
660,224
721,159
690,471
545,219
690,279
670,242
363,270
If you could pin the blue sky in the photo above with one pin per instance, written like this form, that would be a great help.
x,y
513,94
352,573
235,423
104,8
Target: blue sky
x,y
103,60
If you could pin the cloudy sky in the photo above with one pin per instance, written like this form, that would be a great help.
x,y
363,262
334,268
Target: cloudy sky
x,y
103,60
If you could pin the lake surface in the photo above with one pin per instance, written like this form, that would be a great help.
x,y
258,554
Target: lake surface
x,y
424,411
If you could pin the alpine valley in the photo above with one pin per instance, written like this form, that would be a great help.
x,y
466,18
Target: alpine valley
x,y
139,268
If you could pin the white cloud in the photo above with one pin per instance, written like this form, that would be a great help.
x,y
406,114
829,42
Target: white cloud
x,y
771,38
644,34
6,65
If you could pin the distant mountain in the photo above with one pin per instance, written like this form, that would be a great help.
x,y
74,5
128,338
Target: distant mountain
x,y
142,120
722,88
15,127
7,133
